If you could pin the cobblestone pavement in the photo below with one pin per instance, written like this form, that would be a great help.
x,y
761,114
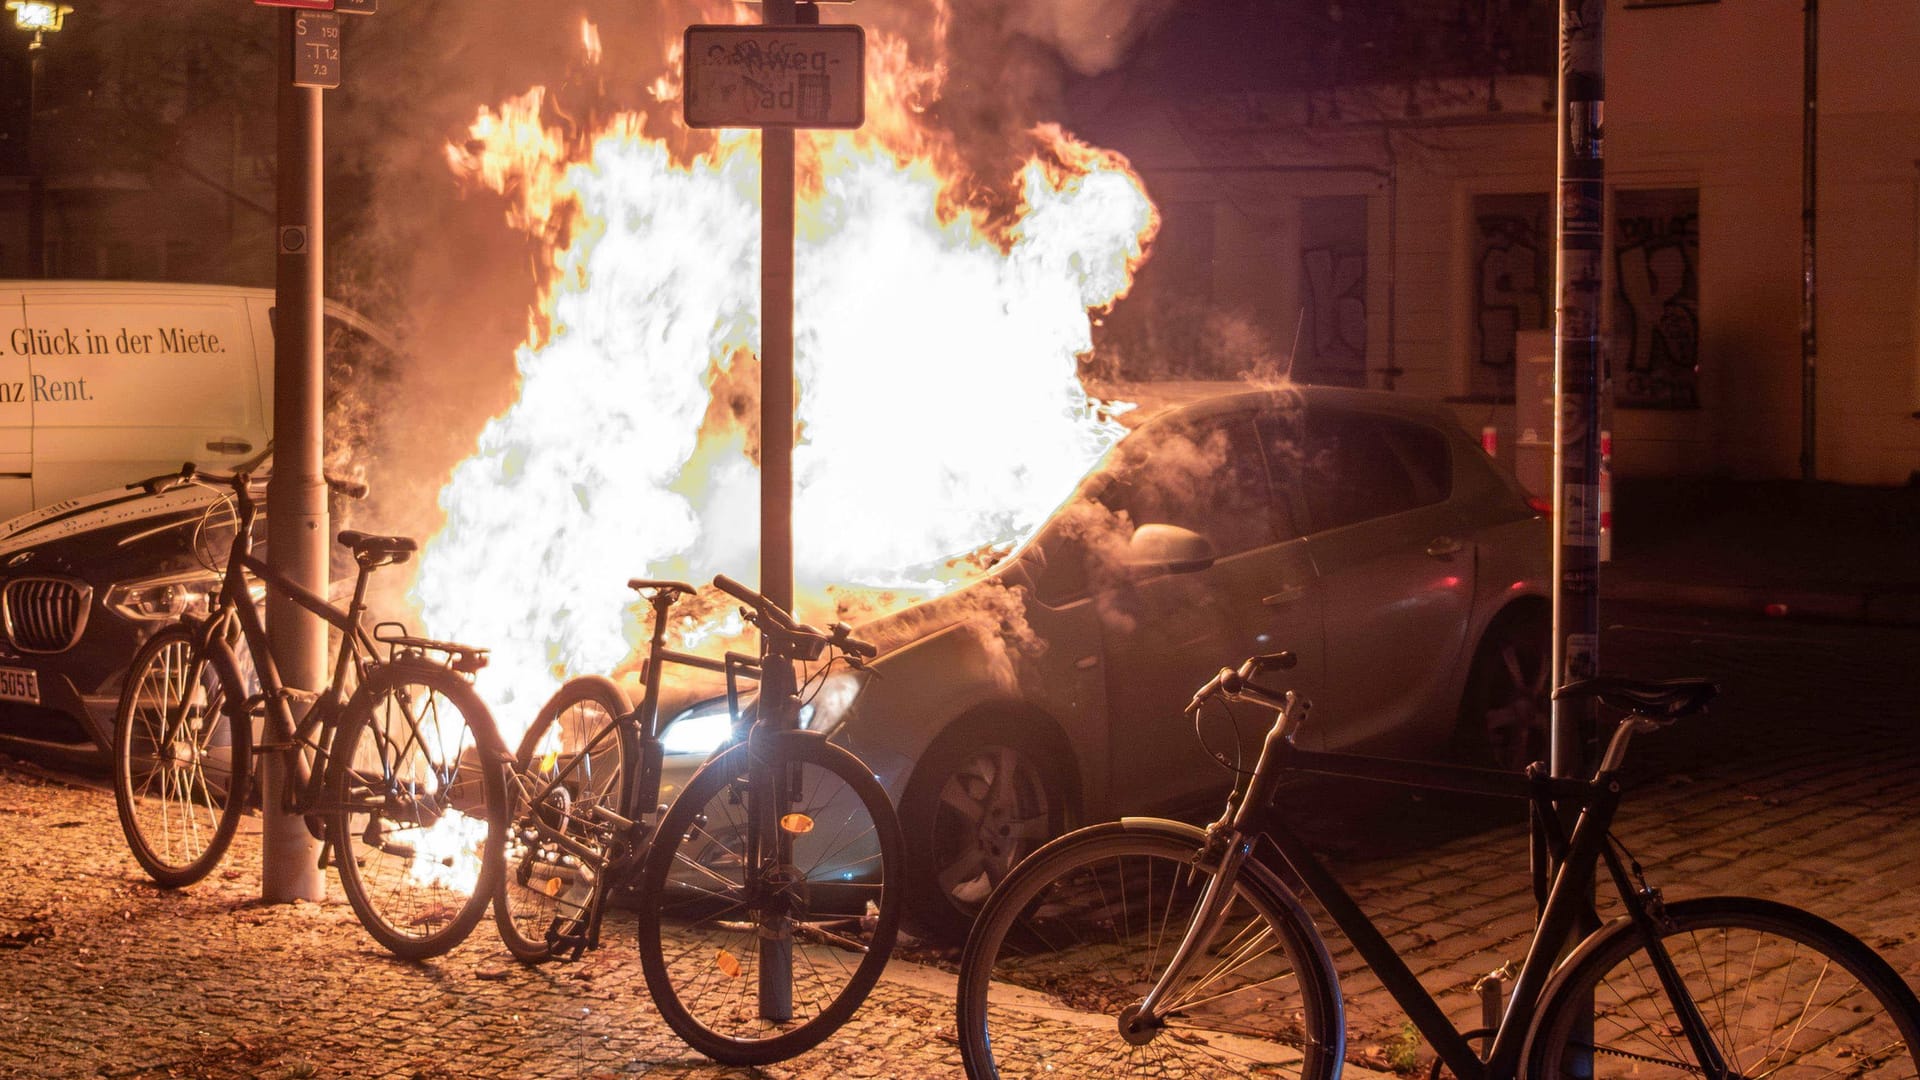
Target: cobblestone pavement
x,y
101,974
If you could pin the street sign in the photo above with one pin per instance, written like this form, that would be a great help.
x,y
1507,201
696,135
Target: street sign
x,y
316,50
311,5
776,76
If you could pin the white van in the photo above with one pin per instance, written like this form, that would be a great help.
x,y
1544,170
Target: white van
x,y
104,382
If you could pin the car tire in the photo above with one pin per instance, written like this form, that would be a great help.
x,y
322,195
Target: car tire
x,y
983,797
1505,711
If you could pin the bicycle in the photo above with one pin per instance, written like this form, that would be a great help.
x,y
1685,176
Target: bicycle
x,y
765,911
1149,946
395,765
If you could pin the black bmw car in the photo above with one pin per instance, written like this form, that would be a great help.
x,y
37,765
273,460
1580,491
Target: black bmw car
x,y
83,583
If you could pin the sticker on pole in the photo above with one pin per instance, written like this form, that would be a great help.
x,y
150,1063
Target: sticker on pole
x,y
776,76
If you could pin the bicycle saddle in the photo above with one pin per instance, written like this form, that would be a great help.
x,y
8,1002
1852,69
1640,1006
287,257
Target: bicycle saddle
x,y
377,549
1669,698
680,587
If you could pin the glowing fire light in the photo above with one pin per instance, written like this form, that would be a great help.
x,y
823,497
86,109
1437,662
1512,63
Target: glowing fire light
x,y
939,408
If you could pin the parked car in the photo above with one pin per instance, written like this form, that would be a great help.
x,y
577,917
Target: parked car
x,y
1365,532
84,582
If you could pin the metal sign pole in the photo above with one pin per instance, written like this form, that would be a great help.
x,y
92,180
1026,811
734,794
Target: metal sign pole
x,y
776,347
776,452
297,526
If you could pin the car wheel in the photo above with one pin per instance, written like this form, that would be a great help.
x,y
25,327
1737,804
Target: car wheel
x,y
982,799
1504,715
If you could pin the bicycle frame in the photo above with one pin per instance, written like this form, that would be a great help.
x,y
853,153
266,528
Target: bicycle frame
x,y
1567,904
235,604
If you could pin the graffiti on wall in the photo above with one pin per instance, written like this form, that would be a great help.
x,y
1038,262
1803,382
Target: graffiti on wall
x,y
1335,330
1655,347
1513,283
1333,290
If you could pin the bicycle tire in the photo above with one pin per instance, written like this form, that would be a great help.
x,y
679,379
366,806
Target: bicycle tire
x,y
575,759
1073,939
700,934
416,810
1784,994
180,803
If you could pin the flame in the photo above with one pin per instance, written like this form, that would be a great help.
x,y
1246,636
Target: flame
x,y
936,349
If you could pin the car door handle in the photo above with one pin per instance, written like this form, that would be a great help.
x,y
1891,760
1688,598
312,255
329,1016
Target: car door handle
x,y
229,446
1443,546
1285,596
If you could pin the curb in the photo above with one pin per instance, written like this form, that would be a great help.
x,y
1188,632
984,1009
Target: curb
x,y
1889,607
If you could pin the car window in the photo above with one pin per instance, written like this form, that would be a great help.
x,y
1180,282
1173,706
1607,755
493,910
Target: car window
x,y
1205,474
1208,475
1358,467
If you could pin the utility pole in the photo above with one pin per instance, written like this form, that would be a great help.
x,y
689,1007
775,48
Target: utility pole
x,y
1580,237
297,526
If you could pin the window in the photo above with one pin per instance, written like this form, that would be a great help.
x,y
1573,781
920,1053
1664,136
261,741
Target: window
x,y
1362,467
1333,291
1512,284
1208,475
1655,347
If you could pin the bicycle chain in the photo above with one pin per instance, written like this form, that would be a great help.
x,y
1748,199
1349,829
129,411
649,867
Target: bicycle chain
x,y
1648,1059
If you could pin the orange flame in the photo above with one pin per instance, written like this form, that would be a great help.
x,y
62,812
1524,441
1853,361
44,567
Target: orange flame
x,y
936,352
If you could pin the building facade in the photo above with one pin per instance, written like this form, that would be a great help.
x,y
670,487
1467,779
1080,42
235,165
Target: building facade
x,y
1399,233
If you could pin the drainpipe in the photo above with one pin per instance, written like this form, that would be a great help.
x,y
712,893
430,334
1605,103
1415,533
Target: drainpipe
x,y
1810,125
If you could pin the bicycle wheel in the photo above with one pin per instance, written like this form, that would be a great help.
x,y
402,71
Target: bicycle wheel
x,y
416,801
710,938
1783,994
180,765
573,763
1073,939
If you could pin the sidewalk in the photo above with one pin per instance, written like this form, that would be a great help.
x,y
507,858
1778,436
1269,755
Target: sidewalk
x,y
101,974
1780,547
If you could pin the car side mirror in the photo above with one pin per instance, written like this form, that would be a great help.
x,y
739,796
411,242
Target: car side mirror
x,y
1168,549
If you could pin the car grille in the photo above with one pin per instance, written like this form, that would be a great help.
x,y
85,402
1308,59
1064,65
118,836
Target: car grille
x,y
45,614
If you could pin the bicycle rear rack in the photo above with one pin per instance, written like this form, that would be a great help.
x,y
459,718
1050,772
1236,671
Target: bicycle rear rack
x,y
465,659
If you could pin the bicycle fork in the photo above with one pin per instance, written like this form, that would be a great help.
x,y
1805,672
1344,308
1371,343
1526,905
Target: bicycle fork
x,y
1141,1021
1229,843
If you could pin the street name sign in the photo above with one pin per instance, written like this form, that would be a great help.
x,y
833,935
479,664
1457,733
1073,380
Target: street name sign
x,y
316,50
775,76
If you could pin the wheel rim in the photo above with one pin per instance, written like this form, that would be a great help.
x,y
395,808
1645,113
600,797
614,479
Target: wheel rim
x,y
1058,965
708,933
179,781
1515,700
414,822
564,782
994,810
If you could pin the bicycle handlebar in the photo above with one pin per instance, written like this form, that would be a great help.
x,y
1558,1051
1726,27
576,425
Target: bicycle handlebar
x,y
840,636
1239,684
239,481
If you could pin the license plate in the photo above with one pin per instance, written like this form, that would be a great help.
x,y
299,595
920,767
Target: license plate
x,y
19,684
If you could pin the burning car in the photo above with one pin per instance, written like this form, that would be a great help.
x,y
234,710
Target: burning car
x,y
1364,531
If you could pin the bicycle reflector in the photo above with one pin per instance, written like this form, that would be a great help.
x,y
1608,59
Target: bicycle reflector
x,y
796,823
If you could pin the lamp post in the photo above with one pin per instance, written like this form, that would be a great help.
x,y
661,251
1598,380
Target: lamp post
x,y
40,17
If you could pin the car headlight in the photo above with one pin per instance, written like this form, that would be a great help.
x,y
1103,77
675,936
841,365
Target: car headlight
x,y
163,597
698,730
704,728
